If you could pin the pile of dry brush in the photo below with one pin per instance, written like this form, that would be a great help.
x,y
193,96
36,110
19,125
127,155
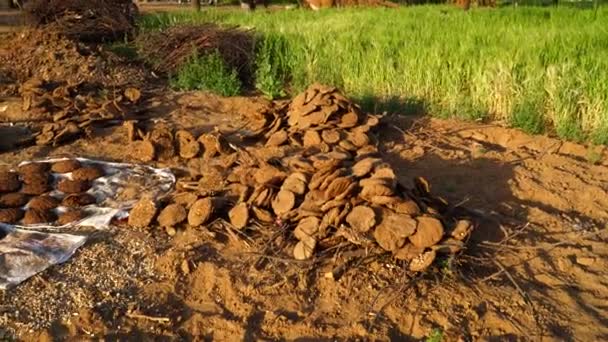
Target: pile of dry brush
x,y
171,48
87,21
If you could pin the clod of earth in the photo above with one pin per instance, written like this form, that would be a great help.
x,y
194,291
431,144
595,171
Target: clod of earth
x,y
172,215
142,214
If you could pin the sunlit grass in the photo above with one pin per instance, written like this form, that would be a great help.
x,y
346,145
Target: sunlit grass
x,y
540,69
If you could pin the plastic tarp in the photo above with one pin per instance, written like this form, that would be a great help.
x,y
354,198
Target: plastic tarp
x,y
26,250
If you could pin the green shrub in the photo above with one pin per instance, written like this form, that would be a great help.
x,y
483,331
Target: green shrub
x,y
208,72
272,65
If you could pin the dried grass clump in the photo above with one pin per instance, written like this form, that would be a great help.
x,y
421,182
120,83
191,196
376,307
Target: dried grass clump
x,y
168,50
85,20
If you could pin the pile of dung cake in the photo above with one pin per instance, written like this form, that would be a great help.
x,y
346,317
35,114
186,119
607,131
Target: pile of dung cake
x,y
70,109
311,165
43,193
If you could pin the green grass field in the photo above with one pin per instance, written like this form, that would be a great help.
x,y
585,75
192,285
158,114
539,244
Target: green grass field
x,y
539,69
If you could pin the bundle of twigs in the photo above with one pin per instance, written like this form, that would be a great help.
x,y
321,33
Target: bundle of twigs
x,y
170,49
85,20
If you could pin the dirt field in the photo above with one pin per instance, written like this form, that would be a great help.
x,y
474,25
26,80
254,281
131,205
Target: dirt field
x,y
200,284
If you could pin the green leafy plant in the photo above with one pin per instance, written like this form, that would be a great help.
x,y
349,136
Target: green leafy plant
x,y
124,50
208,72
594,155
271,66
435,336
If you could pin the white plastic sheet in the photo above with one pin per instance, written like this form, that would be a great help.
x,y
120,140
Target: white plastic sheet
x,y
26,250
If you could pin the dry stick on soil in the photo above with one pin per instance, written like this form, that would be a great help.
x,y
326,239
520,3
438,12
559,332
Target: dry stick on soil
x,y
149,318
548,248
268,246
231,231
281,259
400,290
353,258
524,295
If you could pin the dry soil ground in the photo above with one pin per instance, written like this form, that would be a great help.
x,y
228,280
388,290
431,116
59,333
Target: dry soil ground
x,y
536,267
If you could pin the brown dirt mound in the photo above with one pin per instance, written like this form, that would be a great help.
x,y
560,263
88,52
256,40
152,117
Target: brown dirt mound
x,y
172,47
47,54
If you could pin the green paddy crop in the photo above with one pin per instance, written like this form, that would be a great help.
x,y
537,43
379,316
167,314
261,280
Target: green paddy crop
x,y
539,69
